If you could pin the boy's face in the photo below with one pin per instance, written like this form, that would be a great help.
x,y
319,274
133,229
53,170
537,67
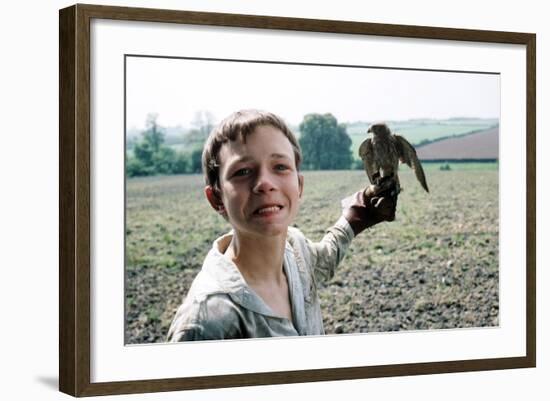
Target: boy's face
x,y
260,186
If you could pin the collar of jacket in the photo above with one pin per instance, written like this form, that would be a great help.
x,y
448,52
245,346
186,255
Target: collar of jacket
x,y
226,278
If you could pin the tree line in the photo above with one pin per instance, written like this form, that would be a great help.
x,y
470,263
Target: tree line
x,y
150,155
325,146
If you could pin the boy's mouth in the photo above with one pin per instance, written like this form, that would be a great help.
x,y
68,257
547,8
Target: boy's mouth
x,y
268,209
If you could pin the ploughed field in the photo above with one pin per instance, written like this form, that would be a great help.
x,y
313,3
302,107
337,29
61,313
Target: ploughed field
x,y
434,267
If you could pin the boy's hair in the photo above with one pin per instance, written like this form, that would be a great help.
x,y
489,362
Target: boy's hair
x,y
238,126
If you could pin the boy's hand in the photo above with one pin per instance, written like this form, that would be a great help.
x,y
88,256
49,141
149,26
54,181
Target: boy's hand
x,y
375,204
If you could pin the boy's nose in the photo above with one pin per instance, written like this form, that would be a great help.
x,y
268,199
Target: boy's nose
x,y
264,182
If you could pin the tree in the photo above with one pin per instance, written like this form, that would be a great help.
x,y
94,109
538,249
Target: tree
x,y
181,164
325,143
146,148
196,161
154,134
151,156
194,138
203,123
135,168
164,160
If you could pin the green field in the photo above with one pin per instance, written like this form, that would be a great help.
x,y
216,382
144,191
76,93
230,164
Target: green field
x,y
435,267
418,131
458,166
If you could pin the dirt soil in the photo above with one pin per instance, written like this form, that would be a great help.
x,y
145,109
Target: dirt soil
x,y
434,267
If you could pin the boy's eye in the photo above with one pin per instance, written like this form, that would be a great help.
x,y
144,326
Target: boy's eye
x,y
281,167
241,172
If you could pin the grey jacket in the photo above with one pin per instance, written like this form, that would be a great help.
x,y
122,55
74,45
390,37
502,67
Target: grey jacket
x,y
220,305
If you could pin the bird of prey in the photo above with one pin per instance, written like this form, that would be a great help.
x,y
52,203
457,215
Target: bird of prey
x,y
382,153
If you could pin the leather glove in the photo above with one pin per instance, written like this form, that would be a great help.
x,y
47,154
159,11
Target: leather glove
x,y
371,206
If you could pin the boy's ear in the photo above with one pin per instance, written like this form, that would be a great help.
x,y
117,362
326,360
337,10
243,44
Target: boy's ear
x,y
301,184
215,200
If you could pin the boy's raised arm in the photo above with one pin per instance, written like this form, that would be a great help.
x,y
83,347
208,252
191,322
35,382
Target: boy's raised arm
x,y
360,211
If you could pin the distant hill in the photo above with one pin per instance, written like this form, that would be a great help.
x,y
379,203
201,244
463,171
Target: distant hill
x,y
482,145
419,131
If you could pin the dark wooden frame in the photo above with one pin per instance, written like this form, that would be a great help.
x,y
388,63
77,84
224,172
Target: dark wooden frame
x,y
74,199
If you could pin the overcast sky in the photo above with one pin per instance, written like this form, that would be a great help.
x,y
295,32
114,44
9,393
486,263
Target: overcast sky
x,y
177,88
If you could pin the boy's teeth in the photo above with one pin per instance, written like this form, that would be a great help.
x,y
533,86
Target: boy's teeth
x,y
268,209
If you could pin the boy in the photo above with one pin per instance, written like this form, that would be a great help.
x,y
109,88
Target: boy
x,y
259,280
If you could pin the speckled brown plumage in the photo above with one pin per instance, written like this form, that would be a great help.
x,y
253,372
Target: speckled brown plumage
x,y
382,153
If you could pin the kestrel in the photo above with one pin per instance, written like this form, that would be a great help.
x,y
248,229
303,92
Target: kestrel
x,y
382,153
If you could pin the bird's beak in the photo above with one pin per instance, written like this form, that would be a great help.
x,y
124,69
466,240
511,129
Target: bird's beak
x,y
369,130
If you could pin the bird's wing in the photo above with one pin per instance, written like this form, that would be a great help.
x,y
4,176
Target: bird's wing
x,y
366,154
407,155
